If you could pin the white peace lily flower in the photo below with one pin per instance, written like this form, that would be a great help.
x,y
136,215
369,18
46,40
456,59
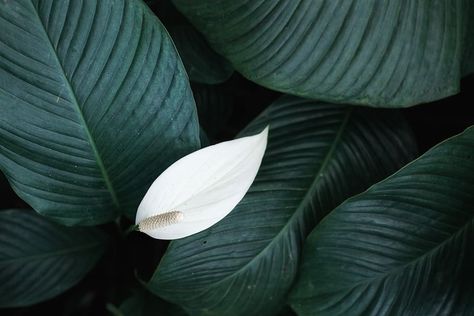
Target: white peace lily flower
x,y
201,188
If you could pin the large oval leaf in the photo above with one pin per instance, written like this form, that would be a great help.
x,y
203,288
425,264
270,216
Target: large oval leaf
x,y
380,53
39,259
94,105
318,154
404,247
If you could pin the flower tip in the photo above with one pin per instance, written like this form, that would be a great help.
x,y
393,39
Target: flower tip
x,y
265,131
262,137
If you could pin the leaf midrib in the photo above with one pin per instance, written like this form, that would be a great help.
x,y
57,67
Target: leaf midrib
x,y
56,253
302,204
80,115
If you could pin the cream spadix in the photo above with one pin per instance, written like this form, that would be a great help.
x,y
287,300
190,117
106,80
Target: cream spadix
x,y
201,188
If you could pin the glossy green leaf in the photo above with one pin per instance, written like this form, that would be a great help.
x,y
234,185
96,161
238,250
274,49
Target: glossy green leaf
x,y
404,247
40,259
318,154
94,104
379,53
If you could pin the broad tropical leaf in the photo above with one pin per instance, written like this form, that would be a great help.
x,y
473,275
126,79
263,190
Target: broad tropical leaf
x,y
404,247
94,104
40,259
318,154
379,53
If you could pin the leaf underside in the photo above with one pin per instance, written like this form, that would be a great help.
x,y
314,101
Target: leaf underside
x,y
95,104
39,259
404,247
318,154
378,53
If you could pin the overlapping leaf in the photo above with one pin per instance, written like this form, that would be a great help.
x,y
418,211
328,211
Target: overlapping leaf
x,y
202,63
39,259
94,104
215,106
318,154
404,247
379,53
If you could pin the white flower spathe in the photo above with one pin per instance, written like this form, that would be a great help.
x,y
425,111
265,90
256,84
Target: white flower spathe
x,y
201,188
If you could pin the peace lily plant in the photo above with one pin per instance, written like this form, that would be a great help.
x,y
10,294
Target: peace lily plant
x,y
201,188
107,108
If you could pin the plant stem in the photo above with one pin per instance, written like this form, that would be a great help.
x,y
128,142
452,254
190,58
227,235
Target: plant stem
x,y
131,229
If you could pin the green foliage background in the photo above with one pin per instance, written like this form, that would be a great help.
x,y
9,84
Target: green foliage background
x,y
355,210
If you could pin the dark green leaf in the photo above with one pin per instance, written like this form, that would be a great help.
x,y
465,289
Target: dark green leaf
x,y
40,259
468,57
318,154
204,139
202,63
95,103
379,53
215,106
404,247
